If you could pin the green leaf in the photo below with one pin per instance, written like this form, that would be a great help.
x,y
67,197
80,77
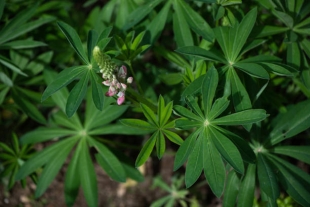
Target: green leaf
x,y
109,162
284,17
173,137
137,41
97,91
160,202
292,184
8,82
22,44
267,178
301,153
87,175
64,78
138,14
119,129
227,149
253,69
187,124
164,112
247,188
268,30
74,40
146,150
291,123
160,145
192,103
73,123
201,53
242,32
2,3
27,107
180,110
208,89
231,189
43,157
243,117
8,63
92,39
77,95
105,33
138,124
52,167
72,178
157,25
214,169
195,163
196,22
172,56
185,149
42,134
181,30
149,114
219,106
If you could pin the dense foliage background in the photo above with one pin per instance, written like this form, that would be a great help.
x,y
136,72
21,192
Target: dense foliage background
x,y
222,85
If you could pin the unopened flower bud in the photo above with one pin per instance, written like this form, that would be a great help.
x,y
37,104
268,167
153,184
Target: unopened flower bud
x,y
129,80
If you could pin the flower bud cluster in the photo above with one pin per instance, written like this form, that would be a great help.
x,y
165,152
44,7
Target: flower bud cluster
x,y
113,76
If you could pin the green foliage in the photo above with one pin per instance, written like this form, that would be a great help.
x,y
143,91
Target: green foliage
x,y
227,81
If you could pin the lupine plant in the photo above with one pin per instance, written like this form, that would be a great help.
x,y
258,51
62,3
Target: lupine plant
x,y
226,82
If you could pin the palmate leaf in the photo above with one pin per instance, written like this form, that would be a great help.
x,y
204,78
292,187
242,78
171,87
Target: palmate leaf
x,y
180,110
146,150
160,145
231,189
301,153
149,114
192,103
208,89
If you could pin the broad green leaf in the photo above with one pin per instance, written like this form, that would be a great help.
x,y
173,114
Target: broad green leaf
x,y
138,124
194,164
136,42
52,167
43,157
293,54
132,172
8,63
291,123
214,169
208,89
185,149
284,17
139,13
196,22
72,178
292,185
227,149
42,134
187,124
243,117
74,40
242,32
97,91
218,107
108,161
268,30
7,81
64,78
253,69
251,45
77,95
22,44
173,137
192,103
103,43
267,178
180,110
224,37
105,33
301,153
146,150
119,129
149,114
61,119
231,189
92,39
160,145
279,69
181,30
155,28
201,53
247,188
28,107
87,175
